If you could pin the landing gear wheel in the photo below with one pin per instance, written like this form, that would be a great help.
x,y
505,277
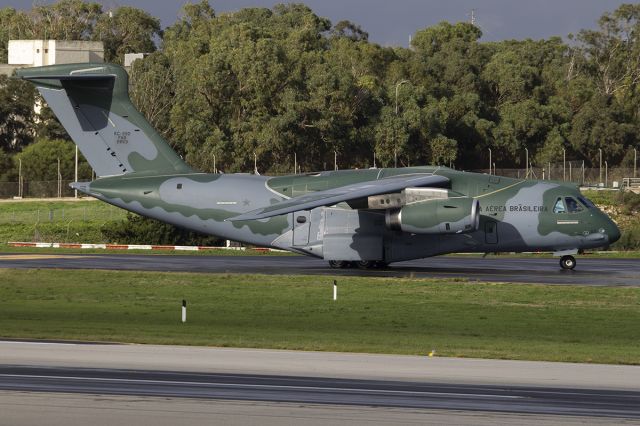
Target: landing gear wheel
x,y
366,264
339,264
568,262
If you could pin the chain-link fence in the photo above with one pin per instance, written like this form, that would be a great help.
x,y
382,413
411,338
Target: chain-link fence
x,y
572,171
88,212
53,221
36,189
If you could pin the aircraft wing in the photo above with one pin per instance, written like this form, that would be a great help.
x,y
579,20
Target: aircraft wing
x,y
333,196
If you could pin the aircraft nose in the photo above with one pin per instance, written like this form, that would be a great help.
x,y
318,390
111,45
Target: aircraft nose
x,y
613,232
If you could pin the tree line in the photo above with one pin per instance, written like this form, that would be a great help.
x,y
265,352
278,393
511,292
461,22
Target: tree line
x,y
285,82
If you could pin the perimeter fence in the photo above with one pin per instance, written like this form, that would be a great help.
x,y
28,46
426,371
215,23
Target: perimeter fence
x,y
571,171
61,213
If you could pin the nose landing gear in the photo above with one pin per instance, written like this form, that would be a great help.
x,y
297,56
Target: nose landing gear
x,y
567,262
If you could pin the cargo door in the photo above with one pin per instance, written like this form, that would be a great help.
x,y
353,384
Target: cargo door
x,y
301,228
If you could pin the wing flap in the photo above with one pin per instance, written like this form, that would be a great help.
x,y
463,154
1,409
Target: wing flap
x,y
333,196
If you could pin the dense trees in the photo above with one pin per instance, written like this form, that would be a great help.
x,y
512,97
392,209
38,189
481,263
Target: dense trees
x,y
284,81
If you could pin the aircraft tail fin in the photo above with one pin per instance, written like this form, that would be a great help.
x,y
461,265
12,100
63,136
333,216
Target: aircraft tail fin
x,y
92,103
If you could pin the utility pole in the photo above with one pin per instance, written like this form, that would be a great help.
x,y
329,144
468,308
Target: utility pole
x,y
564,164
335,160
215,170
489,161
20,177
295,163
635,160
255,163
59,180
606,174
473,16
526,153
600,167
395,141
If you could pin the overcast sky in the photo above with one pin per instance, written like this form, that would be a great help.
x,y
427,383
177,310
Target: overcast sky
x,y
391,22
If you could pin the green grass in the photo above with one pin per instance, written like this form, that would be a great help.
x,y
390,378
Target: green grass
x,y
33,211
56,221
378,315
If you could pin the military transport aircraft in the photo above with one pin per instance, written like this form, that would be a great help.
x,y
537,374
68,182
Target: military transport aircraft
x,y
365,218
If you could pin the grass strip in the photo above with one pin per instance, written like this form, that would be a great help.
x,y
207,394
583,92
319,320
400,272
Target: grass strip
x,y
375,315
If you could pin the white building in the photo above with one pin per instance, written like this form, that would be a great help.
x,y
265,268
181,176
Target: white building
x,y
36,53
129,58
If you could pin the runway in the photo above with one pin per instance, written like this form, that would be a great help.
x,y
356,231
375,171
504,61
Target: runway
x,y
589,271
126,383
313,390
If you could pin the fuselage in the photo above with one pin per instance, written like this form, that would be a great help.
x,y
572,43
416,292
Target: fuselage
x,y
514,214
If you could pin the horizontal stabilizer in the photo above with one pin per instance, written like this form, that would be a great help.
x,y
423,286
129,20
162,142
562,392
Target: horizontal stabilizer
x,y
333,196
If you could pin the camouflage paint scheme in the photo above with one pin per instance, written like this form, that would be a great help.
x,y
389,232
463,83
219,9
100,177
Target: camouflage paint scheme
x,y
140,172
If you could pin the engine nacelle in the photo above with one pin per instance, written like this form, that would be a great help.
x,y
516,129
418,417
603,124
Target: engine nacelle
x,y
440,216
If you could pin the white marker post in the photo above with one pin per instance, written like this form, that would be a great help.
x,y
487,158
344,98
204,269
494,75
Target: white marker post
x,y
184,310
335,290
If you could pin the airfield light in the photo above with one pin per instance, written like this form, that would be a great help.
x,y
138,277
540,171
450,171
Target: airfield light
x,y
76,173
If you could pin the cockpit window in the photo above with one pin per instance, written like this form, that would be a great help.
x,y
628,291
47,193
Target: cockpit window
x,y
587,202
559,206
572,205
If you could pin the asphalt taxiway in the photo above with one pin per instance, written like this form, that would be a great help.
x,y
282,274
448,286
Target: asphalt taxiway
x,y
304,387
590,271
313,390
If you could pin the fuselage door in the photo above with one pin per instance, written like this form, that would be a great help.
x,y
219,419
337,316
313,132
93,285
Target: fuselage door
x,y
301,228
491,232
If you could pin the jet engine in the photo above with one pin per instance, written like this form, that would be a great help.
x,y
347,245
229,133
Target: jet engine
x,y
437,216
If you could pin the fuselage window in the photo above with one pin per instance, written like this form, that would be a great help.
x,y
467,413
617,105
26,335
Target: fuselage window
x,y
559,207
572,205
587,202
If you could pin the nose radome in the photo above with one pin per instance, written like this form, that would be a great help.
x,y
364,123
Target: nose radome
x,y
613,232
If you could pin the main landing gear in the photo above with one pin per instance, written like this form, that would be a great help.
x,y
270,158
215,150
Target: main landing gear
x,y
361,264
568,262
